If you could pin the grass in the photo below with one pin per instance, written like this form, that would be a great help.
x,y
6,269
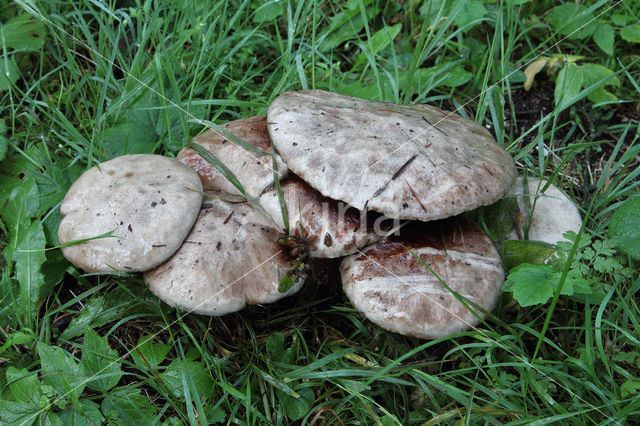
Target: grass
x,y
98,79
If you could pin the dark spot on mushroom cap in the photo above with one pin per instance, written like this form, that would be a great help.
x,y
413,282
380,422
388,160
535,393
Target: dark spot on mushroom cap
x,y
328,241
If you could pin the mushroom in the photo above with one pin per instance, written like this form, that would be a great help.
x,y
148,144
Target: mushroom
x,y
148,202
404,161
330,228
229,259
394,289
254,171
548,214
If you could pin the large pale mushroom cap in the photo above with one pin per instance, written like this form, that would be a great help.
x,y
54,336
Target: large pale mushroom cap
x,y
254,171
396,291
332,228
230,258
552,215
149,201
404,161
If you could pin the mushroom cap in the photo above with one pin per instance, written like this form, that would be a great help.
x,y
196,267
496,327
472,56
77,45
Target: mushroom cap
x,y
230,258
404,161
553,214
396,291
254,171
332,228
149,201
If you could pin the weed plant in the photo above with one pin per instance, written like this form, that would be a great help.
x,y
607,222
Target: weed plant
x,y
85,81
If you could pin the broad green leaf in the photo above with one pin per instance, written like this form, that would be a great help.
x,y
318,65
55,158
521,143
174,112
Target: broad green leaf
x,y
4,142
23,33
594,73
631,33
24,385
296,408
100,310
621,19
29,256
20,413
61,371
9,72
470,10
573,284
173,377
17,338
430,11
23,204
148,354
128,406
381,39
101,363
530,284
624,227
275,345
517,252
572,20
495,219
87,414
445,74
629,387
268,11
568,85
604,38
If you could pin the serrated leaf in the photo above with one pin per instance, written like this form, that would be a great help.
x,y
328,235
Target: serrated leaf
x,y
23,33
530,284
631,33
604,38
61,371
572,20
101,363
148,354
128,406
624,227
568,85
517,252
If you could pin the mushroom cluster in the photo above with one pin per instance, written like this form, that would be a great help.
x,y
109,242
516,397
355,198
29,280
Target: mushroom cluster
x,y
377,184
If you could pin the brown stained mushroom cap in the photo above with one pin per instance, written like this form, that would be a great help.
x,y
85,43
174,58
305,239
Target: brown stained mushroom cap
x,y
396,291
230,258
404,161
254,171
149,201
332,228
553,214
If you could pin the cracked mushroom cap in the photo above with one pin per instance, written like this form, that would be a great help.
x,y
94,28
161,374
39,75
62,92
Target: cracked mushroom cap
x,y
149,202
332,228
552,215
254,171
396,291
229,259
404,161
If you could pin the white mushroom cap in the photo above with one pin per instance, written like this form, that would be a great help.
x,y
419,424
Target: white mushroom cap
x,y
230,258
552,215
254,171
332,228
396,291
404,161
149,201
